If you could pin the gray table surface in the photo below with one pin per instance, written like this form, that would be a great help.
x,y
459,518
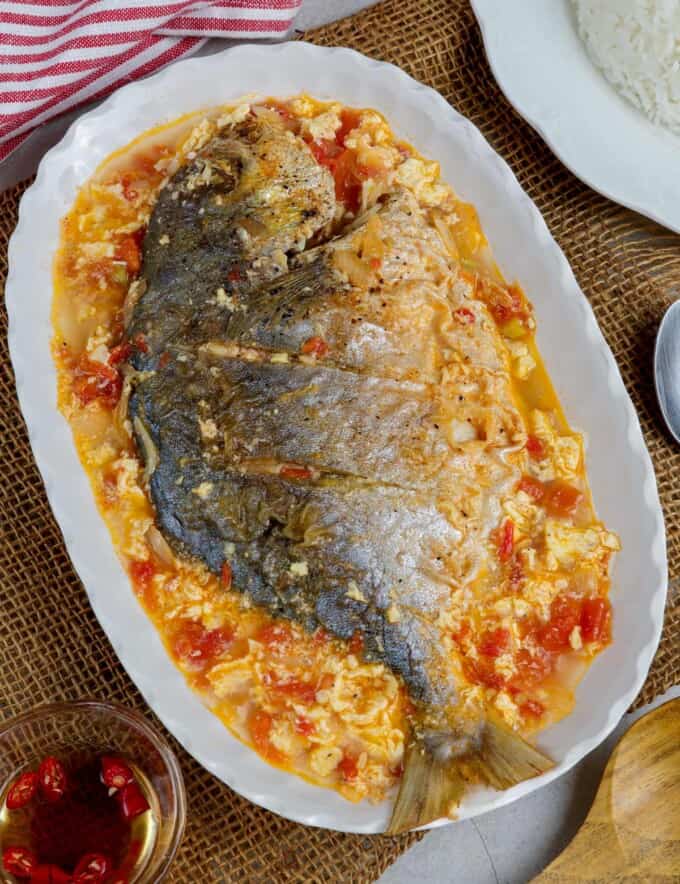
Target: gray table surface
x,y
507,846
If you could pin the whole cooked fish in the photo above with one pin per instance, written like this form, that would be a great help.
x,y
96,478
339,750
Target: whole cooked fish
x,y
300,424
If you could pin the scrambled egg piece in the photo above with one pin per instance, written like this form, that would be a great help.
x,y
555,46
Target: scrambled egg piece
x,y
568,545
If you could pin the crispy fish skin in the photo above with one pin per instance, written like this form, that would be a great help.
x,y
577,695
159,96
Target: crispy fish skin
x,y
331,487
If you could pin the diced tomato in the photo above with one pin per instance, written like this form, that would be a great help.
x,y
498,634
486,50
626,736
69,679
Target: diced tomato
x,y
260,724
535,447
348,767
349,119
50,874
19,861
565,613
23,790
320,637
234,274
484,672
226,575
303,691
315,346
131,801
495,642
198,646
127,249
595,620
120,353
304,726
115,772
506,540
93,868
462,632
535,489
96,381
275,635
505,302
325,152
292,471
464,315
129,191
532,709
52,779
142,574
348,180
356,643
531,668
562,498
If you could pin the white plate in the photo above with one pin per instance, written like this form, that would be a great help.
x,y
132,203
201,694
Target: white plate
x,y
546,74
578,359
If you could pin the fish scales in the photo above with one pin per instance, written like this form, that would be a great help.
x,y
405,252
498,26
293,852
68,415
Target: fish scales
x,y
222,402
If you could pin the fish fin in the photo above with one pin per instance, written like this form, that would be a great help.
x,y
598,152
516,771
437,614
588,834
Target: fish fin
x,y
505,759
434,779
431,787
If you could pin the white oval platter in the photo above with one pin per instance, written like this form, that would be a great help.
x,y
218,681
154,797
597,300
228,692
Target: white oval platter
x,y
581,365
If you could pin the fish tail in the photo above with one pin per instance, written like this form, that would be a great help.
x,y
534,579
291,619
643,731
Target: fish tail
x,y
435,773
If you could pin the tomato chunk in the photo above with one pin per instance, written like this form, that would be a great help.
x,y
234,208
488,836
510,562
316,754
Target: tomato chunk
x,y
94,380
356,643
19,861
596,620
506,540
275,636
260,724
532,487
349,119
52,779
131,801
348,767
304,726
198,646
115,772
300,690
535,447
531,668
562,498
128,250
315,347
532,709
142,573
495,642
23,790
565,613
483,671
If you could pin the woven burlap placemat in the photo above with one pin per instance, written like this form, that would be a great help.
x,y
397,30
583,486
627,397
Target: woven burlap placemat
x,y
51,646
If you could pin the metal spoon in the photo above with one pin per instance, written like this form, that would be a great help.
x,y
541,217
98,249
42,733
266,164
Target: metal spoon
x,y
667,368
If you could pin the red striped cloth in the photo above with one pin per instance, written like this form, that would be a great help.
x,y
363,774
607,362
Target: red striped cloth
x,y
57,54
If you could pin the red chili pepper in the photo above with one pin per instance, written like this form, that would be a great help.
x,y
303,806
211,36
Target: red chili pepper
x,y
115,772
131,801
50,874
19,861
315,346
226,575
291,471
93,868
464,315
506,540
23,790
52,779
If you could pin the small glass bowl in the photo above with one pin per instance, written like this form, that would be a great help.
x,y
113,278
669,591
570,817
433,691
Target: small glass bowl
x,y
99,728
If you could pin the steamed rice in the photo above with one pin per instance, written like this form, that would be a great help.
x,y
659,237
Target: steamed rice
x,y
636,43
